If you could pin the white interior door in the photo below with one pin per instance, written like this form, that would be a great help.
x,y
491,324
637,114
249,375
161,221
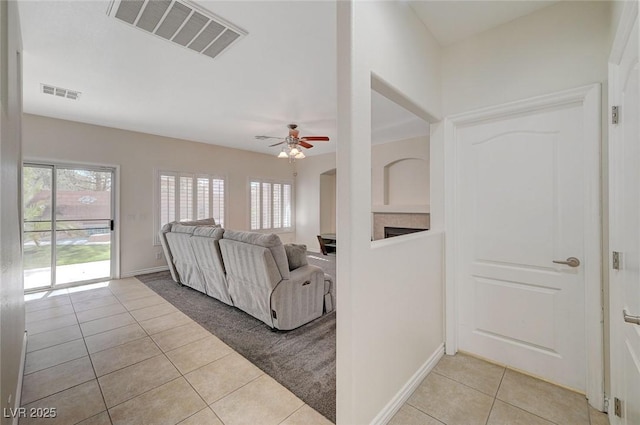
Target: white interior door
x,y
527,200
624,169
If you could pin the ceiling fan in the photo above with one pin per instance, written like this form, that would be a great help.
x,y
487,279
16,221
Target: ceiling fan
x,y
292,149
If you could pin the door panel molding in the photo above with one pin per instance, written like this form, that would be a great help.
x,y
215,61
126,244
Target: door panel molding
x,y
588,99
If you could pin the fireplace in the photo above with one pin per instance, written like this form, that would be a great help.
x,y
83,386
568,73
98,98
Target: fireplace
x,y
390,232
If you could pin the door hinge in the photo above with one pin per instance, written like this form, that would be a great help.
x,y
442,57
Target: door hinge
x,y
615,260
617,407
614,114
112,225
606,404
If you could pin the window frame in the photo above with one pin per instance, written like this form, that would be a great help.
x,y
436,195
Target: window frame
x,y
178,175
260,197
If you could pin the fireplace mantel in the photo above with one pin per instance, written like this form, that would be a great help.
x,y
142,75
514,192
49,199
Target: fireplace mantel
x,y
394,219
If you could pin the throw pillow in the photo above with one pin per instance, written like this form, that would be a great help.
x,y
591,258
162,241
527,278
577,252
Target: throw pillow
x,y
296,254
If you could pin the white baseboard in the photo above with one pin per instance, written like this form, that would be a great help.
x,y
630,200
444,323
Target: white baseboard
x,y
405,392
23,359
144,271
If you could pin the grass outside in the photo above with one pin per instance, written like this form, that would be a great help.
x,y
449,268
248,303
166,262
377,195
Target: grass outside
x,y
38,257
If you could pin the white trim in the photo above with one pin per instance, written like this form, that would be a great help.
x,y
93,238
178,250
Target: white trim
x,y
18,393
385,415
624,30
589,97
135,273
625,25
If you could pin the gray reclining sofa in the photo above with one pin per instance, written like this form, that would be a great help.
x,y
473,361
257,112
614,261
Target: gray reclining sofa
x,y
248,270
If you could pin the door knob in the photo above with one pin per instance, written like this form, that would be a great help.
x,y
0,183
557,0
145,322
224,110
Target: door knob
x,y
571,262
630,319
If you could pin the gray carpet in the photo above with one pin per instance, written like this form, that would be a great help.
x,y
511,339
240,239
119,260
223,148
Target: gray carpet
x,y
303,360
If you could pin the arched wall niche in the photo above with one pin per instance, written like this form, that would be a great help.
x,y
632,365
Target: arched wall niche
x,y
406,182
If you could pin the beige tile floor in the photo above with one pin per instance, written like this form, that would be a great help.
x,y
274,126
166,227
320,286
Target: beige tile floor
x,y
117,353
463,390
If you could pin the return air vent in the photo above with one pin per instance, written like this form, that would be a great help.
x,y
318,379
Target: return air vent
x,y
180,22
60,92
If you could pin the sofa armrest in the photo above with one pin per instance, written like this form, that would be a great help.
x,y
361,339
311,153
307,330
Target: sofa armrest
x,y
329,293
304,273
299,299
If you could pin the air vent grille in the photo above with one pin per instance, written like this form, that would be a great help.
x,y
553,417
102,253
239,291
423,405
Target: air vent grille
x,y
60,92
180,22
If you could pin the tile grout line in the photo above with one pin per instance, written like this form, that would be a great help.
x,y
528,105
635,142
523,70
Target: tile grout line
x,y
44,308
163,353
95,373
293,413
226,355
531,413
239,388
469,386
518,407
65,389
423,412
58,392
232,352
493,403
55,345
57,364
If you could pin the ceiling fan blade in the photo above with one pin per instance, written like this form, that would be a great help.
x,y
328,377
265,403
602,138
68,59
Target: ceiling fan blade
x,y
268,137
305,144
276,144
316,138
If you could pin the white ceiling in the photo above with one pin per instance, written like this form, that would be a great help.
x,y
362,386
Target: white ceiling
x,y
283,71
454,20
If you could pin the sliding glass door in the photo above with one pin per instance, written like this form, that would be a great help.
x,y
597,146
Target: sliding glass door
x,y
68,225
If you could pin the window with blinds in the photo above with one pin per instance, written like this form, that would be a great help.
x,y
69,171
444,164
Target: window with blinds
x,y
271,205
186,197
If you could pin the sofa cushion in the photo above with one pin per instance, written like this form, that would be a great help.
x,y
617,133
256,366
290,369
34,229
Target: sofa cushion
x,y
214,232
181,228
265,240
201,222
296,255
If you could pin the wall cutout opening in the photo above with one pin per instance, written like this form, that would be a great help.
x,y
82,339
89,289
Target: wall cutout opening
x,y
400,165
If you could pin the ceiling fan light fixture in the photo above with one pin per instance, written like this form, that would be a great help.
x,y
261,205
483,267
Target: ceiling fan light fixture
x,y
293,144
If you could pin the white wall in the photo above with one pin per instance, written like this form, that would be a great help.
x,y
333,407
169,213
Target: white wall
x,y
389,292
405,183
328,203
308,197
139,155
559,47
11,287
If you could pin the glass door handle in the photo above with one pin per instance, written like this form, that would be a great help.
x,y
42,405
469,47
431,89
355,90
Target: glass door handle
x,y
630,319
571,262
